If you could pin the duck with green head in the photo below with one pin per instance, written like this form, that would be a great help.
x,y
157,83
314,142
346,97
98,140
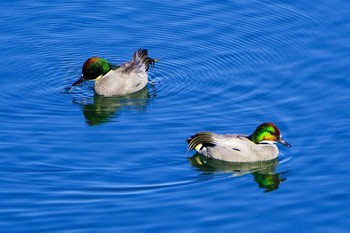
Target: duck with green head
x,y
259,146
111,80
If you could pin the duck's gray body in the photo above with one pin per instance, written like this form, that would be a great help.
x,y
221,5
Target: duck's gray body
x,y
128,78
231,147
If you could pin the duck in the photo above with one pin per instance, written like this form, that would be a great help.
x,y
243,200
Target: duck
x,y
259,146
112,80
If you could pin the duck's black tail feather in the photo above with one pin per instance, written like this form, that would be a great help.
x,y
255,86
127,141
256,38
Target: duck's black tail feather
x,y
140,62
142,54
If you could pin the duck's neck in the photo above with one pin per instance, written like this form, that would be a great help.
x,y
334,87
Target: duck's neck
x,y
259,135
112,66
254,138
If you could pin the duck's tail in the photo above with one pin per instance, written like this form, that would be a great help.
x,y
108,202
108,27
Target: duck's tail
x,y
140,61
200,141
142,54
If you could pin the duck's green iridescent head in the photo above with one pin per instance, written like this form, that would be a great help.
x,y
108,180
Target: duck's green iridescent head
x,y
268,132
93,68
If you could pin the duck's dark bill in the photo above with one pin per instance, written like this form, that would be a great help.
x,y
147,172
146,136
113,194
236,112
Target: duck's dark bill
x,y
81,80
283,142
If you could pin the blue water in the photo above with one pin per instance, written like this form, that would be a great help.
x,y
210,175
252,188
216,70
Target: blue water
x,y
74,162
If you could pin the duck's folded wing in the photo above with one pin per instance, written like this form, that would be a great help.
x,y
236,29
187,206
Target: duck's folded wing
x,y
227,147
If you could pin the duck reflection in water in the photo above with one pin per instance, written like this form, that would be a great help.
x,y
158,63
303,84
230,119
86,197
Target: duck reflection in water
x,y
102,109
263,171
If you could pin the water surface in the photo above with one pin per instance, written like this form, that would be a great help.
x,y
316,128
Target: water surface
x,y
73,161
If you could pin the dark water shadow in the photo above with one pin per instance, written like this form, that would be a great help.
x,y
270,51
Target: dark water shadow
x,y
263,172
99,110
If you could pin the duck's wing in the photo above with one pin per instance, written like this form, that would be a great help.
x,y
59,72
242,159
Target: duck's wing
x,y
227,147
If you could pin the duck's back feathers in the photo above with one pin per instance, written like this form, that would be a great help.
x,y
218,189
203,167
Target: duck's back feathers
x,y
128,78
